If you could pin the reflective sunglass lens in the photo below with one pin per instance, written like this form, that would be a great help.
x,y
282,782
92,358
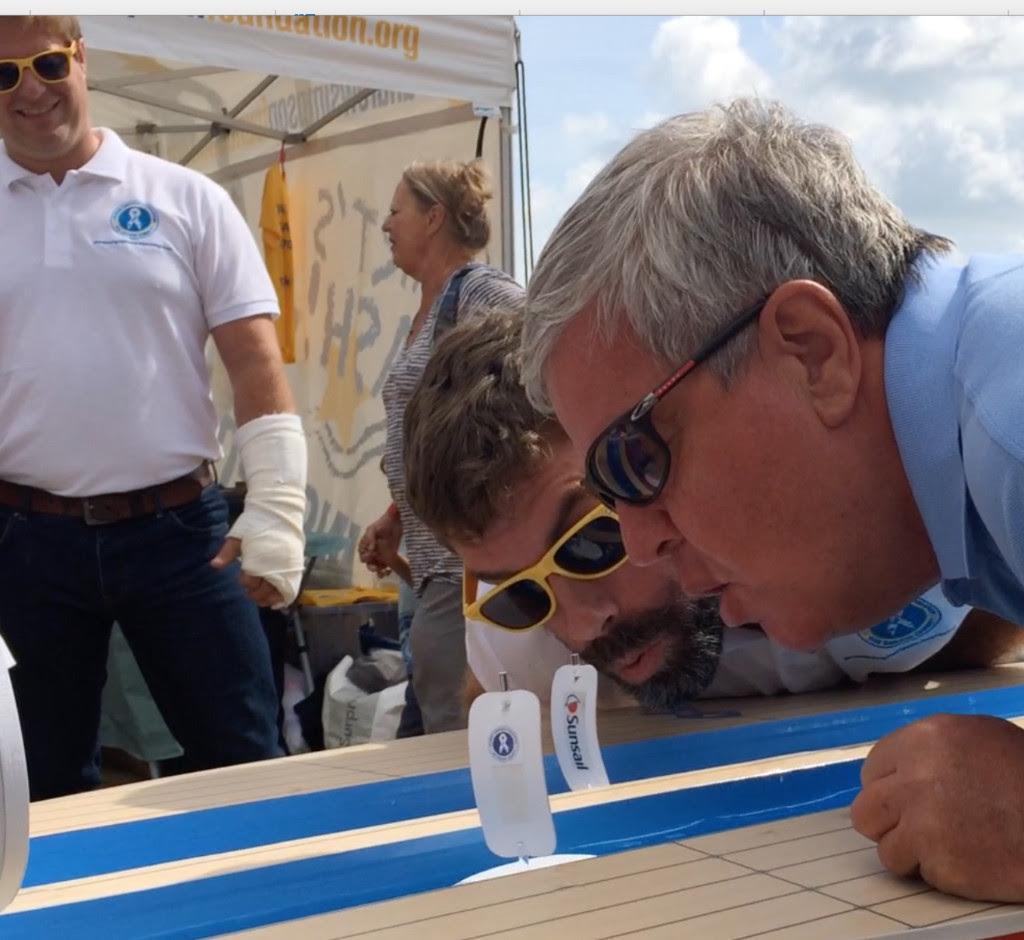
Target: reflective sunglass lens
x,y
594,549
629,465
9,73
521,605
52,66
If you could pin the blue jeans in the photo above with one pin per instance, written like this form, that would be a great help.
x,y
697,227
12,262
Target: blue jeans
x,y
195,634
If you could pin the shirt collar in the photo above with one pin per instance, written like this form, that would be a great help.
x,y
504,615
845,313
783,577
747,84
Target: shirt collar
x,y
110,161
920,349
9,170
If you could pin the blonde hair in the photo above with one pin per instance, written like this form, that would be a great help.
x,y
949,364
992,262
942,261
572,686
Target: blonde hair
x,y
471,436
68,27
462,190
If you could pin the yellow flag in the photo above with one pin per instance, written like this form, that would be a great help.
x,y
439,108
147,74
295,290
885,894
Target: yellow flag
x,y
277,254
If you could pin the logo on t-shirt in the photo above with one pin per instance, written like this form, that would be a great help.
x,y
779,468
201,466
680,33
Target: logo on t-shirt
x,y
916,620
134,219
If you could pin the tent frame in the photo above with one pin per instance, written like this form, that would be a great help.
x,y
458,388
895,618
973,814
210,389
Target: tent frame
x,y
215,125
218,123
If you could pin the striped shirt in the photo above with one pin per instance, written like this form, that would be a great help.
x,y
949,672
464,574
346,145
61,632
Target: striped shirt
x,y
484,289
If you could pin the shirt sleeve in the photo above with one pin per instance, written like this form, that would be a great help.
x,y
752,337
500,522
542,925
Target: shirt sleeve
x,y
988,367
995,482
488,290
233,280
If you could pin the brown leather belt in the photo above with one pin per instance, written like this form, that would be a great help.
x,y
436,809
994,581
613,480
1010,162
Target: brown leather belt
x,y
111,507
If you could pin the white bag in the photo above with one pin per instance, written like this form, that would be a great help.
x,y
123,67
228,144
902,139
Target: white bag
x,y
364,699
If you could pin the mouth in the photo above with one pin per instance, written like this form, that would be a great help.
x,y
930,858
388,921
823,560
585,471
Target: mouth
x,y
698,591
32,113
638,665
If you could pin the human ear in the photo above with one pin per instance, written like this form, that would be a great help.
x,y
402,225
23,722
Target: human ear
x,y
805,332
435,218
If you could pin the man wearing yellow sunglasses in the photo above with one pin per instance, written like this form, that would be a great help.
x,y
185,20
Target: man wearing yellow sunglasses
x,y
546,571
118,266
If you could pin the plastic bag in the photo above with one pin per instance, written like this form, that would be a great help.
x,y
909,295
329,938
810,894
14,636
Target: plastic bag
x,y
364,699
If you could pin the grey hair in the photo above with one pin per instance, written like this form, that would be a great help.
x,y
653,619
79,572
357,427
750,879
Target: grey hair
x,y
706,214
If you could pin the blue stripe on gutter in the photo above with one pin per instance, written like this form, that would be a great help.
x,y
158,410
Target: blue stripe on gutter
x,y
107,849
212,906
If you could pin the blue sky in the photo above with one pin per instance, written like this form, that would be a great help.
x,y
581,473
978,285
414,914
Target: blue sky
x,y
933,104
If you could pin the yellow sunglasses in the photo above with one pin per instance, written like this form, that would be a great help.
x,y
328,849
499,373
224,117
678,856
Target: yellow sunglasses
x,y
51,67
590,549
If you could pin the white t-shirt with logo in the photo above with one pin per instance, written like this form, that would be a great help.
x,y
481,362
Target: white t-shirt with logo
x,y
750,663
110,285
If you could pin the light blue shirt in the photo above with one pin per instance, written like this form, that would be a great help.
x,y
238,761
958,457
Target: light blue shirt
x,y
954,380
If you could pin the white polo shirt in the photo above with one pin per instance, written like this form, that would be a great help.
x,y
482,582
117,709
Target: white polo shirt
x,y
750,663
109,286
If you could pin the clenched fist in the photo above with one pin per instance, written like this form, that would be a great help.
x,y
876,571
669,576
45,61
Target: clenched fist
x,y
944,798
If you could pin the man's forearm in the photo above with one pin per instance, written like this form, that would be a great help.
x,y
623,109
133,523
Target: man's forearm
x,y
253,362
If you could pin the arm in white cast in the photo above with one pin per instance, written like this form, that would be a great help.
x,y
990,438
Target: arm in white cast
x,y
273,454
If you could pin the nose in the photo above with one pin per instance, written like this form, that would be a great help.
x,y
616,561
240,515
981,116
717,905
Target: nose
x,y
584,610
647,532
386,224
30,86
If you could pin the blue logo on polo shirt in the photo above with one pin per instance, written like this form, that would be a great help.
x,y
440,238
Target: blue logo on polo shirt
x,y
134,219
916,620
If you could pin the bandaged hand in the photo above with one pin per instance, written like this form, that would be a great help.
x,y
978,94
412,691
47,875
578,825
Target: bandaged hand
x,y
269,531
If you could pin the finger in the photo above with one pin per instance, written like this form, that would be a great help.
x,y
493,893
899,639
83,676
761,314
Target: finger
x,y
229,551
878,807
883,758
896,851
268,596
260,591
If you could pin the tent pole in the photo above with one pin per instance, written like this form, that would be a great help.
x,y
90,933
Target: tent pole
x,y
508,209
201,144
170,75
213,118
347,105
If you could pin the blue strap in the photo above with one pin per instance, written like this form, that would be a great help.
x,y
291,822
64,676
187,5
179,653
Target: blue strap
x,y
448,311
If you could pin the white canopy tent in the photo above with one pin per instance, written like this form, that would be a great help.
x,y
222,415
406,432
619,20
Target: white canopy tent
x,y
347,101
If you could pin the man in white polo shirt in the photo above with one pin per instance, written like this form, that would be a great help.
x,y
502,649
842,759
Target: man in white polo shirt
x,y
117,267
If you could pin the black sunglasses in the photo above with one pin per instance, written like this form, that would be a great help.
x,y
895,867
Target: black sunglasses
x,y
629,461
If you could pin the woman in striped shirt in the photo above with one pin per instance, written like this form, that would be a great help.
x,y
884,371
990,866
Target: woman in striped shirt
x,y
436,225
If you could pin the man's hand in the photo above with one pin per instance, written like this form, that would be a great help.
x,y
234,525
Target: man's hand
x,y
944,798
257,589
378,546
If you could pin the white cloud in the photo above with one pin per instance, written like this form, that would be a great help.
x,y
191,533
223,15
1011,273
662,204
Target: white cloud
x,y
586,126
579,176
650,118
703,60
932,105
951,43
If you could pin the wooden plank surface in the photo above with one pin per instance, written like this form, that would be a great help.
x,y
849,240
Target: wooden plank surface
x,y
805,876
